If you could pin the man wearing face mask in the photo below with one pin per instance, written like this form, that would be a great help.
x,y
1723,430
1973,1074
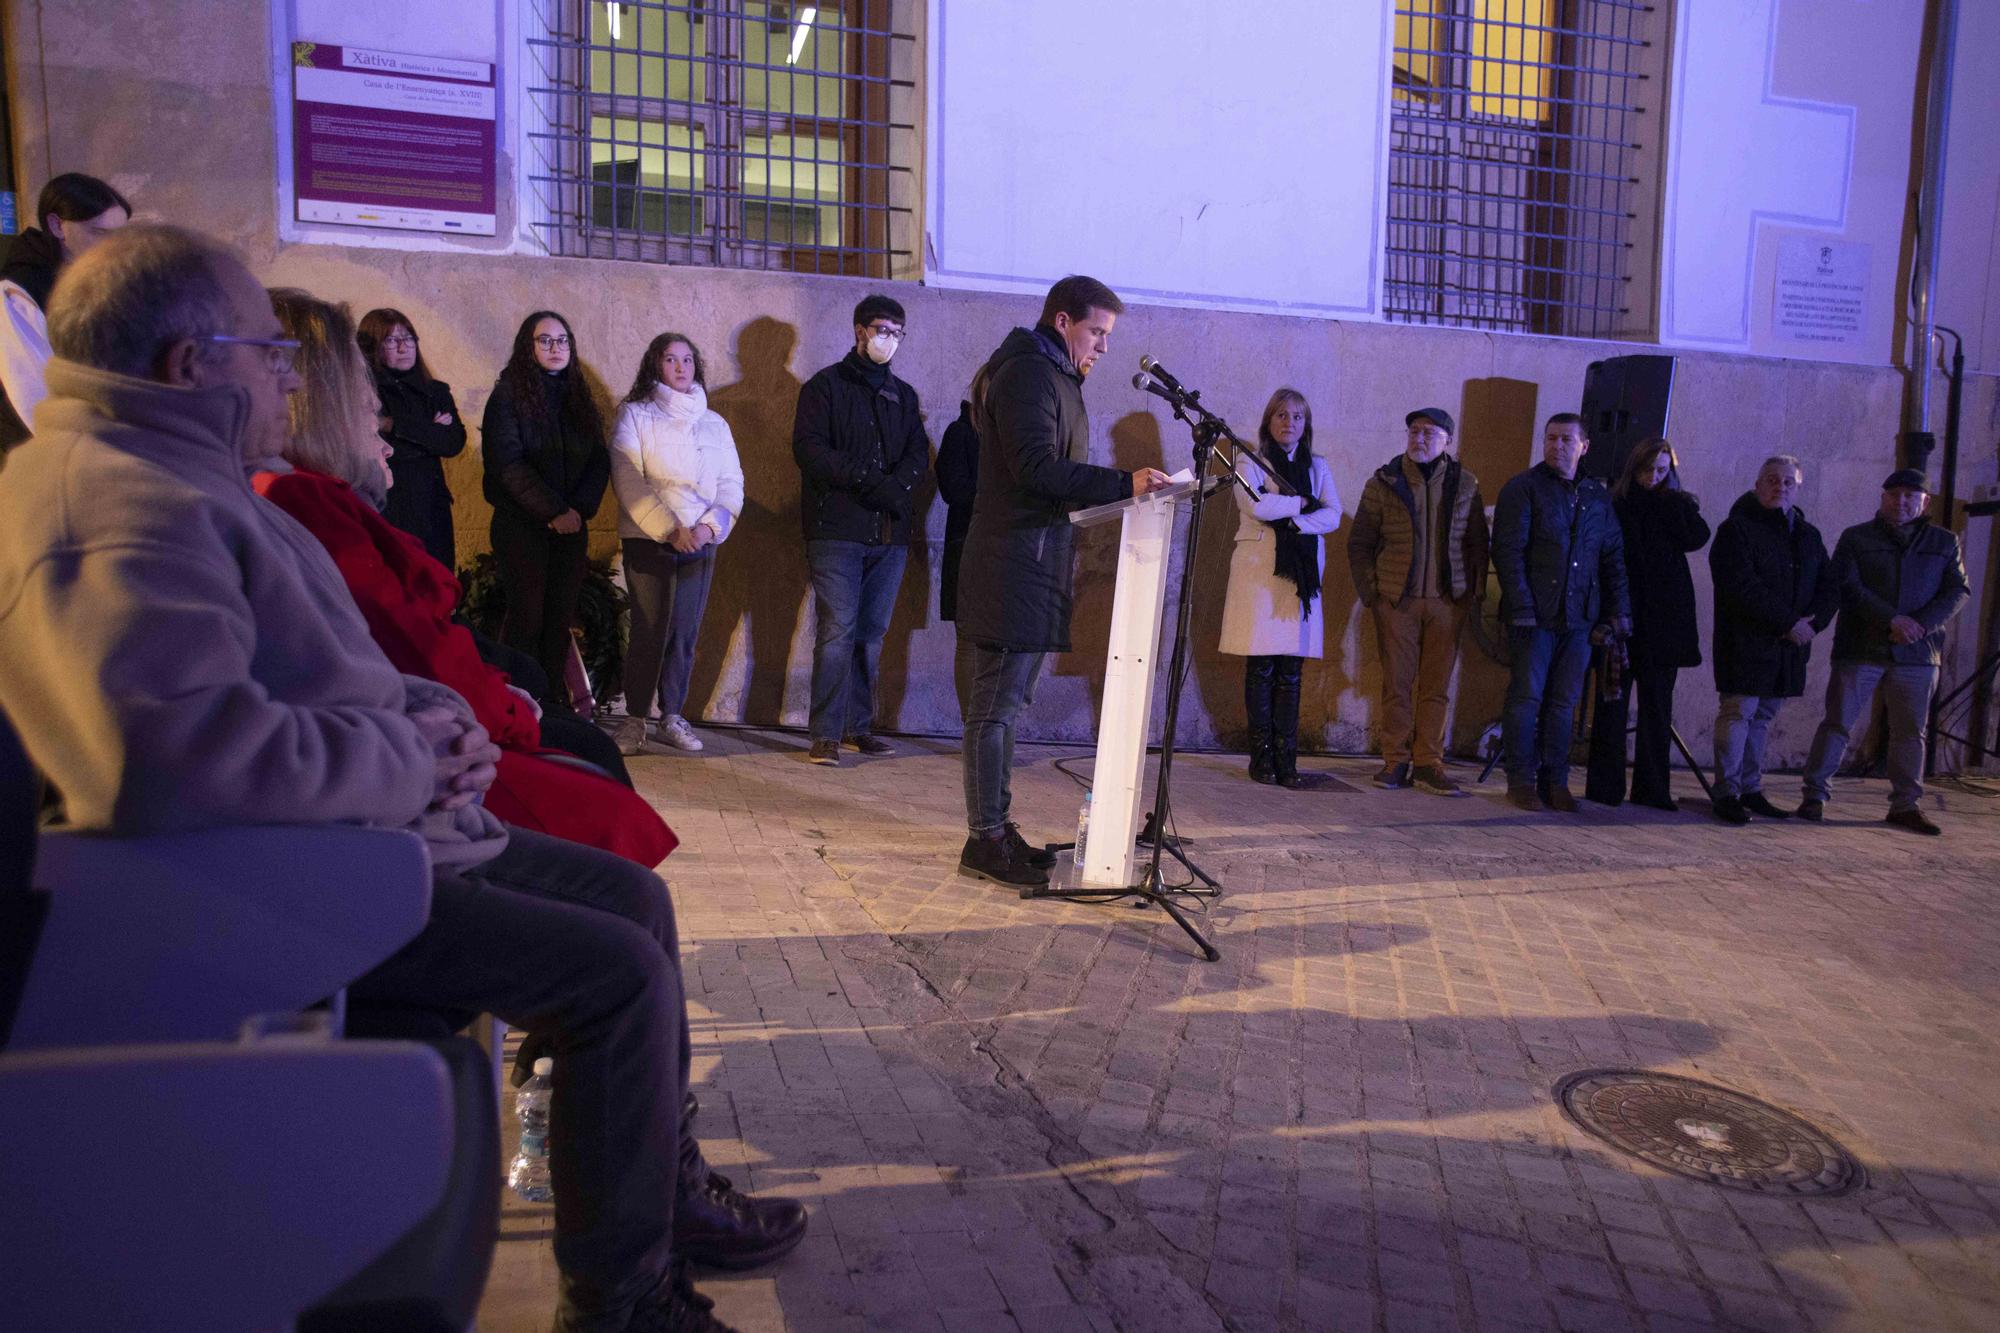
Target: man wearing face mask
x,y
859,441
1014,574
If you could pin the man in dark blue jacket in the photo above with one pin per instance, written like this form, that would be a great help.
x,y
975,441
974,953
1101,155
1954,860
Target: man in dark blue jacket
x,y
1901,579
1014,574
1561,558
859,441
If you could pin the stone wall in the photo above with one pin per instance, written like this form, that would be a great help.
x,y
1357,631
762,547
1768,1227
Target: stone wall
x,y
176,108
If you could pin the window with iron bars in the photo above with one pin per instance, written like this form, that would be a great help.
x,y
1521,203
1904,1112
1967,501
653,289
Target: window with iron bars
x,y
1514,138
731,133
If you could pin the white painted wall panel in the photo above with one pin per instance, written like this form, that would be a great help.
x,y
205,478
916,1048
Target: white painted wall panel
x,y
1181,151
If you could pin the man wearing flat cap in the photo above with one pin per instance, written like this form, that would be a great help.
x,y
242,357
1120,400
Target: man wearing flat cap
x,y
1901,579
1417,551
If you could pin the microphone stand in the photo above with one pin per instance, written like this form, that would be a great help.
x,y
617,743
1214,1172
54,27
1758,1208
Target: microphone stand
x,y
1209,431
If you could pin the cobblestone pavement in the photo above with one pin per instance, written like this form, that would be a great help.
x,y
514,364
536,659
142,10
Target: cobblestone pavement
x,y
1047,1116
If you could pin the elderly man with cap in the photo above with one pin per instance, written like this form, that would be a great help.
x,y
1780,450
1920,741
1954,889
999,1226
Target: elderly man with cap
x,y
1417,551
1901,579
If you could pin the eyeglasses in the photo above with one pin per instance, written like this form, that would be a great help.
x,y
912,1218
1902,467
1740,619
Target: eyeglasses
x,y
552,342
400,340
889,331
280,354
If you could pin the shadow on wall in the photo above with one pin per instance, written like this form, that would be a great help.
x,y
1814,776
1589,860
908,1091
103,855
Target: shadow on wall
x,y
760,578
1498,437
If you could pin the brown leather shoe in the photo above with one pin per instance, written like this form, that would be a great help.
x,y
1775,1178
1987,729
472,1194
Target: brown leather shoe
x,y
1561,801
1524,796
1916,821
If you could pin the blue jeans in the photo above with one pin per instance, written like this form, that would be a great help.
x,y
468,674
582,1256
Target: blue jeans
x,y
1742,725
1548,670
854,588
1906,690
999,684
668,592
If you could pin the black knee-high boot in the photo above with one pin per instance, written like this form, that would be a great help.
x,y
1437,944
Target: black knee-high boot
x,y
1258,673
1285,720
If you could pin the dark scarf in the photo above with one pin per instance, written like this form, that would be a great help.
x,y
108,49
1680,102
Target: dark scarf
x,y
1298,553
872,375
32,262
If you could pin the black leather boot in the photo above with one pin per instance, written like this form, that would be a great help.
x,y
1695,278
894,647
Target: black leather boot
x,y
1285,720
718,1226
1258,673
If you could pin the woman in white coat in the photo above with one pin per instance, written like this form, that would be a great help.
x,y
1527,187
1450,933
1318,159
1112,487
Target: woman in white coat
x,y
680,492
1271,613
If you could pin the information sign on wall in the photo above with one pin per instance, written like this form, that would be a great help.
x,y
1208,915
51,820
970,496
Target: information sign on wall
x,y
1822,294
387,140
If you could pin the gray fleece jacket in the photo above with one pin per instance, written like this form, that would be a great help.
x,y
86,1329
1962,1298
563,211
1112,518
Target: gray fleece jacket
x,y
177,653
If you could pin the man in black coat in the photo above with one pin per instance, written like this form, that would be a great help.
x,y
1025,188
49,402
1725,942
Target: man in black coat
x,y
859,440
958,482
1561,558
1771,598
1900,579
1014,575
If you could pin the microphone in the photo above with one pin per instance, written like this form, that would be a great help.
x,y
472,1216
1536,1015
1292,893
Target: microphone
x,y
1147,384
1162,374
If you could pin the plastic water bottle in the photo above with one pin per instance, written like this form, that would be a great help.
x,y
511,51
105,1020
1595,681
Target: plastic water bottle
x,y
1082,838
529,1171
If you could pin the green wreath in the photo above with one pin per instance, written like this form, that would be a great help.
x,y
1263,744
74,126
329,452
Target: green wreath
x,y
602,613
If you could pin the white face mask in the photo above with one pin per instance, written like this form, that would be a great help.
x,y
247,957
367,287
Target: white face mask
x,y
881,347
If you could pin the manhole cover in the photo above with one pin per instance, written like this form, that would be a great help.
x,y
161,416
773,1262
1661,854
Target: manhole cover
x,y
1709,1133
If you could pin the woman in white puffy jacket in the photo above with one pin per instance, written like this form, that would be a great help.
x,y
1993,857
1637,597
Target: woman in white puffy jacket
x,y
680,492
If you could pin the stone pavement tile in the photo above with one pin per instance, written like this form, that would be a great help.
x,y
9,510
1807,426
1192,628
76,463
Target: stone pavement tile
x,y
1321,1306
1667,1295
1654,1253
1401,1317
1580,1314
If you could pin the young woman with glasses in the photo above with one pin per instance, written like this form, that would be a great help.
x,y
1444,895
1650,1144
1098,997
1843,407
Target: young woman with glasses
x,y
422,427
546,471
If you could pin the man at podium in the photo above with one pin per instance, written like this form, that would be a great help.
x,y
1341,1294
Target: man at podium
x,y
1014,575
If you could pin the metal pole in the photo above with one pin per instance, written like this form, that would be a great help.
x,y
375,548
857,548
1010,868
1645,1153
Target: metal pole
x,y
1930,201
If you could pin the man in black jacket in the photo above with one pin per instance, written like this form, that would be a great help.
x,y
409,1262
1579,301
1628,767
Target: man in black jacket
x,y
1014,574
859,440
1771,598
1561,558
1900,578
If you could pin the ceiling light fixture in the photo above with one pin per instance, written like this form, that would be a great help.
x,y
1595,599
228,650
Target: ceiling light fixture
x,y
799,33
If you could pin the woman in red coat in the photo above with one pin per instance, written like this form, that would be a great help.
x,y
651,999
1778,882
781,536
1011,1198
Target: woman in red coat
x,y
408,598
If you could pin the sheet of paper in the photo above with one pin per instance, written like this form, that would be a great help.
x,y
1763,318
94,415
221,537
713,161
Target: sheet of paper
x,y
1185,474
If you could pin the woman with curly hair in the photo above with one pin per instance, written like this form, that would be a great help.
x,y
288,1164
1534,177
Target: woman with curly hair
x,y
546,470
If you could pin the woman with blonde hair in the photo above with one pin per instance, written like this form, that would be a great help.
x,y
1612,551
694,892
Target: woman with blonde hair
x,y
1663,525
338,477
1271,612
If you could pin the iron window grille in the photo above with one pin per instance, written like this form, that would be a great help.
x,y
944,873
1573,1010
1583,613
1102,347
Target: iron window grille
x,y
1512,154
760,134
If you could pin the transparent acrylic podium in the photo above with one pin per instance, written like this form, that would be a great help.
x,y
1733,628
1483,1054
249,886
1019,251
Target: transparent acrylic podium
x,y
1132,661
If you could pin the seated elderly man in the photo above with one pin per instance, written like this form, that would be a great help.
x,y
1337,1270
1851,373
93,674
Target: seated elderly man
x,y
177,653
